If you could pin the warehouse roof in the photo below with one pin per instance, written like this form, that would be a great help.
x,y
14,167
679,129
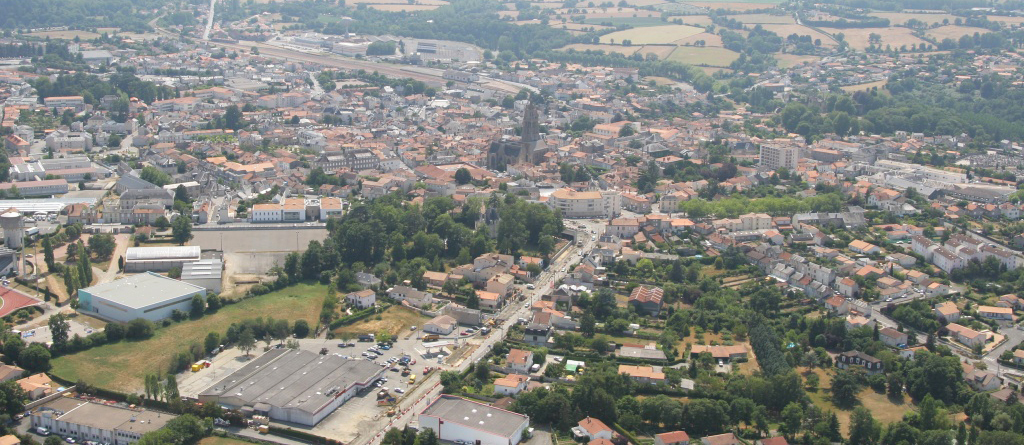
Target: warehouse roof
x,y
107,417
143,290
294,379
211,268
164,253
475,415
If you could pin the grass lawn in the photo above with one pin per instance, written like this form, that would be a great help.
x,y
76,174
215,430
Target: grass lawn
x,y
883,409
394,320
652,34
122,366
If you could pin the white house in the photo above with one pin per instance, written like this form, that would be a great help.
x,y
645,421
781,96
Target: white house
x,y
361,299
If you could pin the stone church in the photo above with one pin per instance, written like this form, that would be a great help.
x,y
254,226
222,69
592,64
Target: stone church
x,y
528,148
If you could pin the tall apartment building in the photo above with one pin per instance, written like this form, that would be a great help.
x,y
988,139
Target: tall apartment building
x,y
776,156
573,204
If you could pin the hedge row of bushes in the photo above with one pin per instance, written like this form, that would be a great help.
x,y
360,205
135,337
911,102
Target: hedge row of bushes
x,y
349,319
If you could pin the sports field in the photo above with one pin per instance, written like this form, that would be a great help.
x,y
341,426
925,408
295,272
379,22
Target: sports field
x,y
652,34
12,300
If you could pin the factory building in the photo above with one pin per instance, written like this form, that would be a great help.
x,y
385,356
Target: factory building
x,y
455,419
159,259
150,296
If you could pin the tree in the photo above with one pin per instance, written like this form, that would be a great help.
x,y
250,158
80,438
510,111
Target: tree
x,y
181,230
84,265
462,176
180,194
35,358
60,330
233,118
198,306
48,254
155,176
301,329
213,302
161,223
845,386
246,341
792,417
102,245
212,342
863,427
114,331
139,329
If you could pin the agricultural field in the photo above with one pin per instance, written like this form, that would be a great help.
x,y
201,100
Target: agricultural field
x,y
1006,21
406,7
652,34
800,30
635,22
899,18
661,51
864,86
122,366
67,35
894,36
624,50
718,57
695,20
954,32
791,60
577,26
394,320
708,38
754,19
737,6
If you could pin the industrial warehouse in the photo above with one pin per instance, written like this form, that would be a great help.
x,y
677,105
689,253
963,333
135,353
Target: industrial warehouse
x,y
455,419
159,259
147,295
293,385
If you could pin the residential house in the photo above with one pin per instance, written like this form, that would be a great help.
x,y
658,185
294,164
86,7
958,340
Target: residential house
x,y
672,438
519,360
643,374
591,429
948,311
892,337
489,300
511,384
853,358
10,372
647,299
996,313
966,335
537,334
361,299
721,439
411,295
37,386
864,247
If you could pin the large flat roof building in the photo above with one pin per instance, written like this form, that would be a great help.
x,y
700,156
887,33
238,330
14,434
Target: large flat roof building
x,y
293,385
148,295
454,418
159,259
97,422
205,273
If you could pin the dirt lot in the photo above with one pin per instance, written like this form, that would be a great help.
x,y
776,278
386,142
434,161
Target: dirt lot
x,y
394,320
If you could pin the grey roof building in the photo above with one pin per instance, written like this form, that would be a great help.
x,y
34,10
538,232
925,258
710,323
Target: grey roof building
x,y
293,385
454,418
148,295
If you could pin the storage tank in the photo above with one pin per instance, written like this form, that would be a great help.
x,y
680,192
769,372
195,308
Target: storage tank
x,y
13,227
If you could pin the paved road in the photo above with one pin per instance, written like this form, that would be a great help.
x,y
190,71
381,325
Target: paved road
x,y
209,20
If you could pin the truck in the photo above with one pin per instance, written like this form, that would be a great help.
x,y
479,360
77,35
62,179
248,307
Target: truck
x,y
366,337
431,337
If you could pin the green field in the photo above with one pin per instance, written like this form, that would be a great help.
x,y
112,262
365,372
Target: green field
x,y
709,56
122,366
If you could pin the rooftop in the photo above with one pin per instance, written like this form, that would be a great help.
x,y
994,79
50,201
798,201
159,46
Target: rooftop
x,y
475,415
142,290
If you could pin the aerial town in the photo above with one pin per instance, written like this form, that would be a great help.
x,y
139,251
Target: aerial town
x,y
486,222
